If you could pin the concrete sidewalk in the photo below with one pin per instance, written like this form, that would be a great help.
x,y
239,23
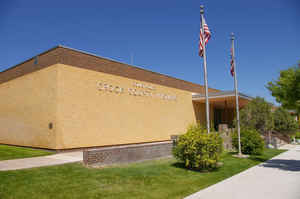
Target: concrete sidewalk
x,y
278,178
56,159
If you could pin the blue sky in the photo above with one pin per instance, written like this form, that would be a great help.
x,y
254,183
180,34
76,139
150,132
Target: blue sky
x,y
161,36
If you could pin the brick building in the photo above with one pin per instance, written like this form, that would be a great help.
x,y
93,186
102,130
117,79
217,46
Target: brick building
x,y
66,98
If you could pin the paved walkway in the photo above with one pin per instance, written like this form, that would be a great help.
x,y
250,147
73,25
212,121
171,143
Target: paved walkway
x,y
60,158
278,178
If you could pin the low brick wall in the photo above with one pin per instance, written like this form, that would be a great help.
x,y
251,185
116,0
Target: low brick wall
x,y
227,140
127,153
274,139
226,134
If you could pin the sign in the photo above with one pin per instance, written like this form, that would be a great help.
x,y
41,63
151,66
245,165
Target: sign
x,y
138,89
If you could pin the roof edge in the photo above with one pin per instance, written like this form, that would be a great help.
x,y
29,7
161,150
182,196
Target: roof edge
x,y
137,67
97,56
27,60
196,96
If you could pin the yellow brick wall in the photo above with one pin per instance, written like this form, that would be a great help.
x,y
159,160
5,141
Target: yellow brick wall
x,y
84,116
89,117
27,106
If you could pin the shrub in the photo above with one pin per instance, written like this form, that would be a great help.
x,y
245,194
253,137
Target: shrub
x,y
197,149
257,114
297,136
251,142
284,122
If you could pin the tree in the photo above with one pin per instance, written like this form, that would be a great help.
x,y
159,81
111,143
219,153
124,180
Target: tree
x,y
284,122
251,142
257,114
286,89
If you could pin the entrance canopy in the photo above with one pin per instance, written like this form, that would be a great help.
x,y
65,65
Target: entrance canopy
x,y
225,99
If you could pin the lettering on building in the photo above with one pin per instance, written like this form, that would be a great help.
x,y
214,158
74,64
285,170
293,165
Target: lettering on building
x,y
138,89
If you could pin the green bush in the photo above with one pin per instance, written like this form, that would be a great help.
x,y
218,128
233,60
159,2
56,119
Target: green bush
x,y
197,149
284,122
251,142
257,114
297,136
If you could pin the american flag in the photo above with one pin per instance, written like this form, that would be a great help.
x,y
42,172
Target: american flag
x,y
206,36
231,63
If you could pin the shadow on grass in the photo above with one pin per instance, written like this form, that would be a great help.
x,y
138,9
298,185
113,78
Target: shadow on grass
x,y
258,158
282,164
232,153
181,165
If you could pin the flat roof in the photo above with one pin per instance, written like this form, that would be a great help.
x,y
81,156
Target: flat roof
x,y
77,58
222,94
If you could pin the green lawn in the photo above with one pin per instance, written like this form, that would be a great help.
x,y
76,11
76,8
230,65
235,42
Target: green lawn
x,y
153,179
12,152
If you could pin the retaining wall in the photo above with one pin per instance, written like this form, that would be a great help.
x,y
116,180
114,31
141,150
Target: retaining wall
x,y
127,153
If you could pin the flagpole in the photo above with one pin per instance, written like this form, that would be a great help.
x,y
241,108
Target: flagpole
x,y
205,71
236,95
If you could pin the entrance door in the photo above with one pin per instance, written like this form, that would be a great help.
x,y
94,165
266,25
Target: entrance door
x,y
217,118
